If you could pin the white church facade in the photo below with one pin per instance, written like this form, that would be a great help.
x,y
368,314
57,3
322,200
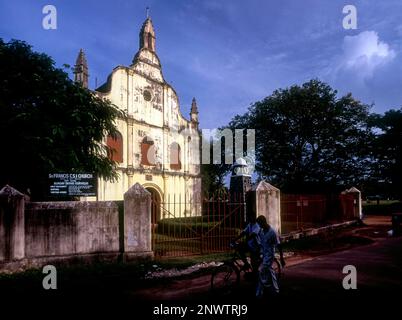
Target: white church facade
x,y
156,145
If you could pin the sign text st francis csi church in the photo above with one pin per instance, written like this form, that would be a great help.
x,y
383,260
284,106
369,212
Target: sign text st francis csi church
x,y
72,184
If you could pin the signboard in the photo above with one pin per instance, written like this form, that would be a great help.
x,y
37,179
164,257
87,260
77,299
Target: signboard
x,y
72,184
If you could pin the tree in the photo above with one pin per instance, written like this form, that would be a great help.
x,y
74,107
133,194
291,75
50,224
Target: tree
x,y
388,153
48,123
308,140
213,174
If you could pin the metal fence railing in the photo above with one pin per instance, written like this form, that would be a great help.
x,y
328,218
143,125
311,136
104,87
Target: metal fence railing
x,y
304,211
195,226
187,226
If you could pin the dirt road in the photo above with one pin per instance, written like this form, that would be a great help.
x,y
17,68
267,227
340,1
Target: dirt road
x,y
378,266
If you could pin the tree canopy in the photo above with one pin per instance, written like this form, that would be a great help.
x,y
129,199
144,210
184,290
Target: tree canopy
x,y
48,123
308,139
386,177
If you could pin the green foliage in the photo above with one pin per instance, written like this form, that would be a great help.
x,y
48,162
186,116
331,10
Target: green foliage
x,y
382,208
184,227
193,226
387,150
213,179
308,140
213,175
47,122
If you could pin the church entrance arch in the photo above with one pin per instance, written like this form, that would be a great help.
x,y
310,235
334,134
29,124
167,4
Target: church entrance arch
x,y
155,203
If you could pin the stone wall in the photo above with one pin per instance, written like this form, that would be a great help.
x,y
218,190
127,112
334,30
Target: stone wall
x,y
64,228
33,234
12,234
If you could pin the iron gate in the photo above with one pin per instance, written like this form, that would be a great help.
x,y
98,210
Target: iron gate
x,y
195,226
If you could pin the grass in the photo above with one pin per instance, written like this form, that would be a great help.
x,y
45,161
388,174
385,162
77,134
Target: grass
x,y
381,202
134,271
164,244
191,226
386,207
192,235
326,242
213,242
185,262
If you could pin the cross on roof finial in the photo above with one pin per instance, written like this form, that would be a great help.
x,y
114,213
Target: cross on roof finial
x,y
147,9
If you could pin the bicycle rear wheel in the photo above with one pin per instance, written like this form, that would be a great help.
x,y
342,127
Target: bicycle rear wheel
x,y
277,268
225,279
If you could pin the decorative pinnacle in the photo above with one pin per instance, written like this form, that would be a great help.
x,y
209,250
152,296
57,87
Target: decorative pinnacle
x,y
194,108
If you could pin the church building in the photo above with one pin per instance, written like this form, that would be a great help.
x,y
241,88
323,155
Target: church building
x,y
156,145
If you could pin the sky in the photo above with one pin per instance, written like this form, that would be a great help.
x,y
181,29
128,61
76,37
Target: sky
x,y
227,53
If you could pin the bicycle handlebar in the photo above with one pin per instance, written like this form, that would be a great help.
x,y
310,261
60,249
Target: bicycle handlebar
x,y
233,244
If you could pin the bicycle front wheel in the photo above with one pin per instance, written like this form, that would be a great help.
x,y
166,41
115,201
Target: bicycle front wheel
x,y
225,279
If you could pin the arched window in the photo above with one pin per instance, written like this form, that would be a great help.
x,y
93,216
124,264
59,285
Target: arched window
x,y
115,147
175,155
147,152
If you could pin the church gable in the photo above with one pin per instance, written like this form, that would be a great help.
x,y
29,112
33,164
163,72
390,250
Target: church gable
x,y
155,145
141,91
146,63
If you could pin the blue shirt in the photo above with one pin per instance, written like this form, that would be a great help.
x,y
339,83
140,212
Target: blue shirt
x,y
268,241
251,228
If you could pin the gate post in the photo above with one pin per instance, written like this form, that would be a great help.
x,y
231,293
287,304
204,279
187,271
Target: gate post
x,y
12,225
137,223
267,202
240,184
358,213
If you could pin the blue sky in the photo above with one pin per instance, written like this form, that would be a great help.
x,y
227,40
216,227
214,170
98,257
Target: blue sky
x,y
228,53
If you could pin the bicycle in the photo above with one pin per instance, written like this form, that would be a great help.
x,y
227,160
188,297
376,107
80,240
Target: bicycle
x,y
226,277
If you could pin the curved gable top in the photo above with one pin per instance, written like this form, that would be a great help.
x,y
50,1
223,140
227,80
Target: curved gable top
x,y
264,186
146,64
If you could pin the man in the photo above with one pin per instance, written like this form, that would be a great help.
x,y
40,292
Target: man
x,y
251,245
268,240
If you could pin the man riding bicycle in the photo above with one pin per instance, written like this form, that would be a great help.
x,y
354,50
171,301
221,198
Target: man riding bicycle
x,y
269,241
251,245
